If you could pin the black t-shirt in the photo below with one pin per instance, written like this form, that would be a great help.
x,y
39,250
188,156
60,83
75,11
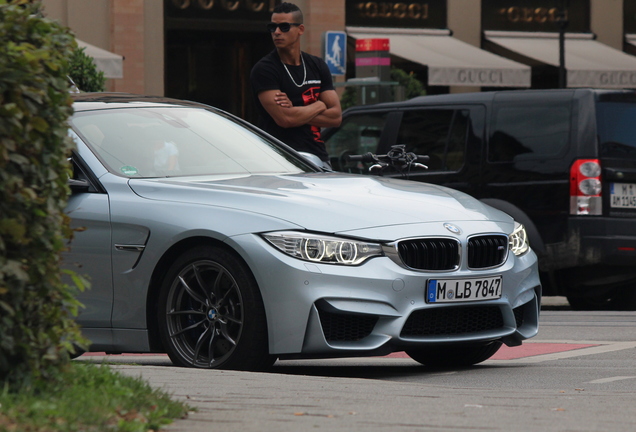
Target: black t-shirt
x,y
270,74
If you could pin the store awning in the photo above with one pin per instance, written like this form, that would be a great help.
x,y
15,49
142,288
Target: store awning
x,y
588,63
450,61
111,64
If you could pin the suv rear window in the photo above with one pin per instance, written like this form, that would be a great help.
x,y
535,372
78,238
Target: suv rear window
x,y
617,129
537,131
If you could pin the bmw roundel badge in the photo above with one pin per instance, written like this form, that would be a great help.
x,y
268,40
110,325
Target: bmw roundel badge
x,y
452,228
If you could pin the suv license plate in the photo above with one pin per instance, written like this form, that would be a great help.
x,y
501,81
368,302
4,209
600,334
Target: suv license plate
x,y
461,290
623,195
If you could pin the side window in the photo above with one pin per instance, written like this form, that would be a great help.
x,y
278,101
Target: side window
x,y
358,134
439,133
617,129
539,131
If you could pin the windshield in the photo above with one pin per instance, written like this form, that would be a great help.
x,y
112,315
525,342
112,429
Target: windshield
x,y
166,142
617,129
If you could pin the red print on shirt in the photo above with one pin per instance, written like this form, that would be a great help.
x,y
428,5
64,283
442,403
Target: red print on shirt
x,y
310,96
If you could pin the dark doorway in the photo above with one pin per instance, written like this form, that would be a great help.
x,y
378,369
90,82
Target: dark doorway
x,y
213,67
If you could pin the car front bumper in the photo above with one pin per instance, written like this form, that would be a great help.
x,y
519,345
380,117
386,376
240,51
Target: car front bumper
x,y
321,310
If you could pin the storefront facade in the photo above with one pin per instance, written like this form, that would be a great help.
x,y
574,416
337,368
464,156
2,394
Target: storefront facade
x,y
204,49
531,34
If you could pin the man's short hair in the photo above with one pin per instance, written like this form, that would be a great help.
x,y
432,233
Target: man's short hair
x,y
290,8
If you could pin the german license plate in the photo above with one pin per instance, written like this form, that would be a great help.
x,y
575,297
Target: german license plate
x,y
461,290
622,195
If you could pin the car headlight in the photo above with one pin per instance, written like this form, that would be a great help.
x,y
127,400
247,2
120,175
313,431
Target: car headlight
x,y
518,240
323,249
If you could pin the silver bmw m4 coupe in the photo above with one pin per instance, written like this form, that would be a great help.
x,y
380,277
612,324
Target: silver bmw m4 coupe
x,y
207,239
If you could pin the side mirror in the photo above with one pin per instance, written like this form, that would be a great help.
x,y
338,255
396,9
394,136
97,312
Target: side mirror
x,y
315,160
77,185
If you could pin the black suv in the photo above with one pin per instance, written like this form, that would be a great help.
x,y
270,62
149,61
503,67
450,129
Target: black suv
x,y
562,162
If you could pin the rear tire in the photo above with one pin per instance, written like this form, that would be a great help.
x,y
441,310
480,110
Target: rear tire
x,y
211,313
621,298
454,355
625,299
589,303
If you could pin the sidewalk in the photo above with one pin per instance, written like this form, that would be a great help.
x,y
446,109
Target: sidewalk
x,y
553,302
265,402
280,402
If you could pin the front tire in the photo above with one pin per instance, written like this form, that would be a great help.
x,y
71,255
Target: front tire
x,y
454,355
211,313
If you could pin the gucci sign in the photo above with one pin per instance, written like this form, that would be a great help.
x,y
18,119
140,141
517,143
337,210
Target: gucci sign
x,y
479,77
227,5
539,15
398,10
618,79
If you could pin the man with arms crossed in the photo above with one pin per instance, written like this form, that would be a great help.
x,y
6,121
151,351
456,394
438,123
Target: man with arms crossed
x,y
294,90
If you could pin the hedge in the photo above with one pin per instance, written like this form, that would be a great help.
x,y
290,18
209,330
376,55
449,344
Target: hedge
x,y
412,88
36,307
84,73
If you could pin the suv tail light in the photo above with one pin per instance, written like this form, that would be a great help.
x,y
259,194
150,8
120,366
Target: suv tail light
x,y
586,187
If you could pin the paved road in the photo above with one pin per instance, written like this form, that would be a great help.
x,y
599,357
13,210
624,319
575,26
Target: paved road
x,y
579,374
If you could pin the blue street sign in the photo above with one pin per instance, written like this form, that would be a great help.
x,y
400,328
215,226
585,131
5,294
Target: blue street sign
x,y
336,52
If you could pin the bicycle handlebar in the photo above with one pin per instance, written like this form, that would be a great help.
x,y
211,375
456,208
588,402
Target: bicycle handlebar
x,y
396,157
370,157
367,157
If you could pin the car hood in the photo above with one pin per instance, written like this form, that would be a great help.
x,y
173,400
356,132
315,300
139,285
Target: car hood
x,y
326,202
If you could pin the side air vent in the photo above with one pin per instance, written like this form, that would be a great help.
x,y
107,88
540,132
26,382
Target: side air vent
x,y
340,327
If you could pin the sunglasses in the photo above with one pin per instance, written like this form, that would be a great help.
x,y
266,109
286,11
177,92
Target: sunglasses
x,y
284,27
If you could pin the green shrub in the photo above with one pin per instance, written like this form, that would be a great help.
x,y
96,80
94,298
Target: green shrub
x,y
412,88
87,398
36,323
84,72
